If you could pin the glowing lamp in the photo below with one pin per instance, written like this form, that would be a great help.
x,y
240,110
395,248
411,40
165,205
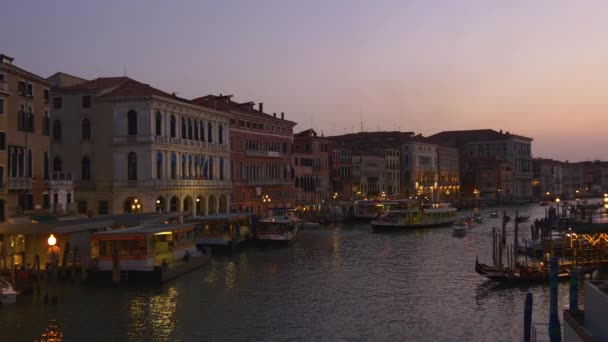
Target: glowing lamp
x,y
198,199
157,201
52,240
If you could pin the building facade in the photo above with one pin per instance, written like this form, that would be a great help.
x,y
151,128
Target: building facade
x,y
312,169
419,173
341,163
261,155
448,170
371,172
134,148
24,141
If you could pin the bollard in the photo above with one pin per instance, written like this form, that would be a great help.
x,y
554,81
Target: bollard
x,y
555,332
573,290
528,318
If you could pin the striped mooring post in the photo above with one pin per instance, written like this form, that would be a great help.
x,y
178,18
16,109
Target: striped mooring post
x,y
555,329
528,318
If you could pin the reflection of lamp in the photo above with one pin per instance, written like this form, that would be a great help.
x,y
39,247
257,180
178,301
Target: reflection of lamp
x,y
52,240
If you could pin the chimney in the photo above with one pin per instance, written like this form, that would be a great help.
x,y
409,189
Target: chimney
x,y
274,114
261,107
501,131
282,116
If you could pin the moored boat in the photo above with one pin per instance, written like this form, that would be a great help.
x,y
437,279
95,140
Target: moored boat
x,y
8,294
281,229
424,216
222,232
460,229
494,214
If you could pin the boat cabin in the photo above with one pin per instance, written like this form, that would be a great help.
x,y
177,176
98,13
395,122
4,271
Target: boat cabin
x,y
144,247
222,230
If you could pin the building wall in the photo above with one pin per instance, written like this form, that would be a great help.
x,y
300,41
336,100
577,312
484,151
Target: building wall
x,y
419,169
393,171
341,163
189,167
372,175
448,169
25,189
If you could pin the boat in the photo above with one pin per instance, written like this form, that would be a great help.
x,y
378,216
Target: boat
x,y
428,215
366,210
279,229
222,232
494,214
544,203
8,294
521,274
310,224
460,229
522,218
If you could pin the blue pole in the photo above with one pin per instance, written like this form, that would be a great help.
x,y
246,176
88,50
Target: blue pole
x,y
555,332
573,290
528,318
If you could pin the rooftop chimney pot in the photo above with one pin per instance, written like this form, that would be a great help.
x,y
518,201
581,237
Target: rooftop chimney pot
x,y
282,116
274,114
261,106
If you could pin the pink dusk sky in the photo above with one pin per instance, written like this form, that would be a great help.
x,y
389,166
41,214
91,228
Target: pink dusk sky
x,y
535,68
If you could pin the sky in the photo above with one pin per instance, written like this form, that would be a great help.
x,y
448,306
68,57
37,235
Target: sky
x,y
534,68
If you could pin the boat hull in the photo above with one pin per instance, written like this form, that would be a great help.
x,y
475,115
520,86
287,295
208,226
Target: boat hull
x,y
388,227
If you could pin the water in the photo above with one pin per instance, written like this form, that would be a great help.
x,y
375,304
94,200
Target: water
x,y
335,284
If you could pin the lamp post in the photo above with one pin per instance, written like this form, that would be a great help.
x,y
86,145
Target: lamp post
x,y
557,200
266,199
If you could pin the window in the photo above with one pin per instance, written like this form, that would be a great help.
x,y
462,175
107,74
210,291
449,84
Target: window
x,y
103,208
86,101
29,163
57,165
1,106
172,126
220,133
183,128
82,207
29,122
132,122
86,129
45,165
57,102
2,141
132,166
209,132
202,127
159,166
221,168
86,168
189,128
159,122
173,166
21,88
45,124
46,95
30,90
57,130
195,129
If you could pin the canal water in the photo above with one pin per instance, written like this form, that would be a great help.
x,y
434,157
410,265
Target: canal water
x,y
335,284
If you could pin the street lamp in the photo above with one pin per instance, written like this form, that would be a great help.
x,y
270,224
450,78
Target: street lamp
x,y
52,240
557,205
266,199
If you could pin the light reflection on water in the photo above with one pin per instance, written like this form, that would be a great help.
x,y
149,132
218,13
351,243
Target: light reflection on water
x,y
341,283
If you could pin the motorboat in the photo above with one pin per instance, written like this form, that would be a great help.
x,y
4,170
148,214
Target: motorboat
x,y
284,229
460,229
8,294
494,214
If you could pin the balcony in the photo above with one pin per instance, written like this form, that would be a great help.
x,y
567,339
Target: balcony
x,y
257,153
4,87
19,183
61,179
258,182
140,139
163,184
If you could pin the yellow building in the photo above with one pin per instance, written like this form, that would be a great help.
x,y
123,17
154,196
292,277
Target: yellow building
x,y
24,141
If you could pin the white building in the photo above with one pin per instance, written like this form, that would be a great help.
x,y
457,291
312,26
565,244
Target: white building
x,y
133,148
419,175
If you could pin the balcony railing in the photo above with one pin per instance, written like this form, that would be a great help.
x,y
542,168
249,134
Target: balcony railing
x,y
172,183
135,139
269,181
4,87
257,153
19,183
61,178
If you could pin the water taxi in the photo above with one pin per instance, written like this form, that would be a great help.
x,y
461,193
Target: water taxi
x,y
8,295
283,228
222,232
428,215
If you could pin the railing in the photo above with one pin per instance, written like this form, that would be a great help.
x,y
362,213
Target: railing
x,y
132,183
269,181
263,153
61,178
19,183
172,183
62,208
4,86
130,139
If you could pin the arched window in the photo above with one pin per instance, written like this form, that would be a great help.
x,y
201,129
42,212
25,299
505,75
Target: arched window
x,y
159,123
46,124
173,123
202,131
195,129
132,122
210,168
45,165
86,129
57,130
21,118
57,165
132,166
173,166
30,120
209,132
190,170
159,165
189,128
183,166
184,130
220,134
86,168
221,168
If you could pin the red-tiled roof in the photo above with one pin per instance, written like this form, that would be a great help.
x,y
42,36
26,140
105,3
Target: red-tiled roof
x,y
224,103
98,84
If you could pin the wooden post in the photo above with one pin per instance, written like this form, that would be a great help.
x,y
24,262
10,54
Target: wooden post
x,y
74,256
64,262
37,268
13,276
